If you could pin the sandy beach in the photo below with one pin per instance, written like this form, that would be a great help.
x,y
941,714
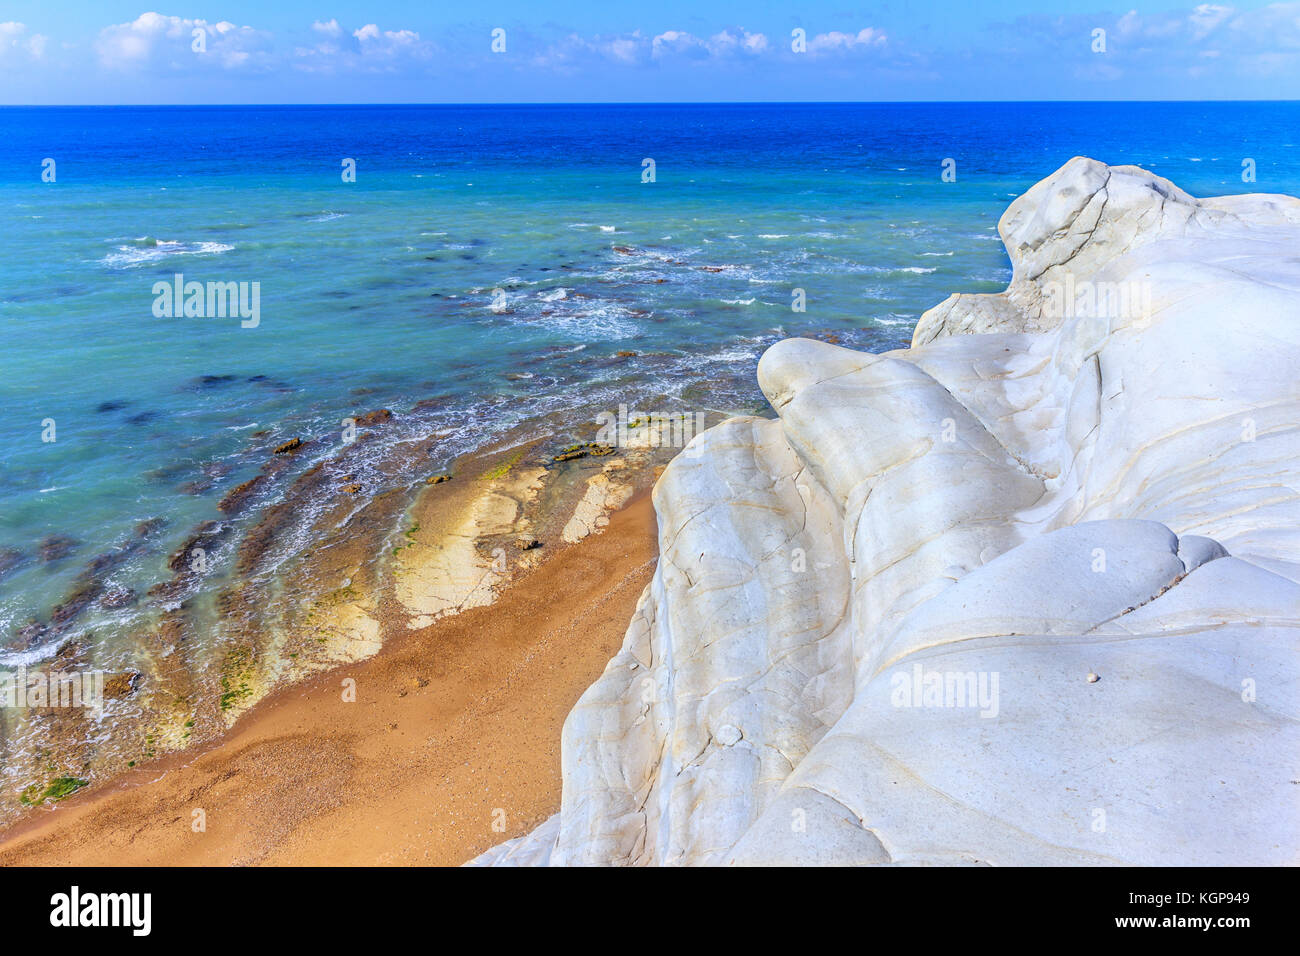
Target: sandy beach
x,y
451,745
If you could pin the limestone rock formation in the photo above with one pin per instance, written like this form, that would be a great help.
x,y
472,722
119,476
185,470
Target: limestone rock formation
x,y
1025,593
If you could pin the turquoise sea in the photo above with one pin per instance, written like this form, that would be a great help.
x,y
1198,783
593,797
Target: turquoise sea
x,y
485,269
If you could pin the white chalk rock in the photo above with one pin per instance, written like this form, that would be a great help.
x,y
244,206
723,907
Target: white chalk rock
x,y
870,634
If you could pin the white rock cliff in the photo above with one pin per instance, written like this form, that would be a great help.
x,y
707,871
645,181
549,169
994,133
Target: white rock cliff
x,y
1028,595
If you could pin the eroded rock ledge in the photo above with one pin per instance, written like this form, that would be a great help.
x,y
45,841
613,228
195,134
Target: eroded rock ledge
x,y
1086,515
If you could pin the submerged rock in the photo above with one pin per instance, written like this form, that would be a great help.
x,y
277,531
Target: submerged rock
x,y
876,625
10,558
238,496
119,686
56,547
117,598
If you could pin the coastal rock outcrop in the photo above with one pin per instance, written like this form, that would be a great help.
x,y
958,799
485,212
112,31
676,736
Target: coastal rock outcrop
x,y
1025,593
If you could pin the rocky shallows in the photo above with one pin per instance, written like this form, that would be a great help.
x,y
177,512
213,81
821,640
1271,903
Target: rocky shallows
x,y
1025,593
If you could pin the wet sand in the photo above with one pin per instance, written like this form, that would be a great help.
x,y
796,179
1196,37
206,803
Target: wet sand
x,y
451,745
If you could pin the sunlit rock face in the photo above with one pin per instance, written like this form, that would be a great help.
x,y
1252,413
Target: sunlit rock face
x,y
1025,593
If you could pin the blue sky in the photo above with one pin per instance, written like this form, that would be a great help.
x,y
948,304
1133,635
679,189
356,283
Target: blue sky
x,y
319,51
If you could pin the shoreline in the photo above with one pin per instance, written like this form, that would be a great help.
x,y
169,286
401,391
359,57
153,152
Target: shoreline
x,y
430,543
451,747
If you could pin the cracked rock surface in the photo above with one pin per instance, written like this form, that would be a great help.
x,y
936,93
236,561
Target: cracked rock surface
x,y
1025,593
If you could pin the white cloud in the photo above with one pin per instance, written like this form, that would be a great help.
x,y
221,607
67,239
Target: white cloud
x,y
156,41
835,42
367,48
742,41
1206,18
1275,27
638,48
628,49
1270,28
677,43
16,45
375,42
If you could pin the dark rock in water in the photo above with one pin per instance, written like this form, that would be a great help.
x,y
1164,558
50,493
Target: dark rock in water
x,y
68,654
149,526
198,487
262,433
106,562
238,495
624,353
10,558
117,598
179,561
110,406
168,473
76,602
352,489
118,686
212,381
32,632
266,382
142,418
377,417
56,547
293,444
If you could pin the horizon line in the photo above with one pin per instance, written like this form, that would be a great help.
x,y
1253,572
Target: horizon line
x,y
523,103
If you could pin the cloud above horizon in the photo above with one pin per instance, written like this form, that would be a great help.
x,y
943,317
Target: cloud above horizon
x,y
1146,52
366,48
163,43
1186,42
18,45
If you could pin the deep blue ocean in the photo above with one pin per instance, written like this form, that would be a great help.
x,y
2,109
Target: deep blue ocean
x,y
485,268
